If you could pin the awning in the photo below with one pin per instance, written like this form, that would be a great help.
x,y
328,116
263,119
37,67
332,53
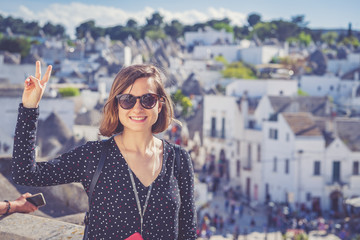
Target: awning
x,y
355,202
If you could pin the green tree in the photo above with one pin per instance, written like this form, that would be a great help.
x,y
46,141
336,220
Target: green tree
x,y
299,20
350,41
239,70
53,30
174,30
155,34
241,32
221,25
131,23
155,20
330,38
69,92
284,30
221,59
305,39
264,30
183,102
122,33
89,26
16,45
254,19
31,28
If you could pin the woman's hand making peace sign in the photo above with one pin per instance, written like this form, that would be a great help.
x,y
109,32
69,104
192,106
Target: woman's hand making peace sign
x,y
35,87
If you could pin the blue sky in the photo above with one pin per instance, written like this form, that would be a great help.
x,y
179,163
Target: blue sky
x,y
319,13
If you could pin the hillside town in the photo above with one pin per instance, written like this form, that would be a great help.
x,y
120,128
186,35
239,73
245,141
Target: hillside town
x,y
273,153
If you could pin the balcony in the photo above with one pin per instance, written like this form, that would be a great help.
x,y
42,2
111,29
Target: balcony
x,y
215,134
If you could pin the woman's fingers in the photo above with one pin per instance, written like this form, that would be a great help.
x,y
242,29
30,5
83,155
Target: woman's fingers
x,y
35,82
38,70
26,195
47,75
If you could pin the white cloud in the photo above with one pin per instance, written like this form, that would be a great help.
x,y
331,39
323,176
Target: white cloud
x,y
73,14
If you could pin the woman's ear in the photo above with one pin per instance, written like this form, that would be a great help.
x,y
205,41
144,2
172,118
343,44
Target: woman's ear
x,y
160,106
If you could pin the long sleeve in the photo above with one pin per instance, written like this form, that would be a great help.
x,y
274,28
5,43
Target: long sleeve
x,y
187,214
69,167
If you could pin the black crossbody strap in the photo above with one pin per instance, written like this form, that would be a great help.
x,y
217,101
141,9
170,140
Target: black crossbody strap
x,y
177,160
96,175
104,149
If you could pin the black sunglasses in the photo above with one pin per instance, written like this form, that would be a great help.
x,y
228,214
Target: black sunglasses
x,y
148,101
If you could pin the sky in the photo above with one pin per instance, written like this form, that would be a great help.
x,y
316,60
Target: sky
x,y
326,14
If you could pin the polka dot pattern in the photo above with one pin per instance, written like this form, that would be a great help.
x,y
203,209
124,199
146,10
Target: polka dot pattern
x,y
113,211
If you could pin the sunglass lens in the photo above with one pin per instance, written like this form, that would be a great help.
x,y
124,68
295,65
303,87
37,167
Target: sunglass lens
x,y
148,101
127,101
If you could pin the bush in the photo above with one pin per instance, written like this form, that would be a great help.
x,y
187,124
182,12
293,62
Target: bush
x,y
69,92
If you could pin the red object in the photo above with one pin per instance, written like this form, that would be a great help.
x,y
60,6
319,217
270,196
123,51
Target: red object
x,y
135,236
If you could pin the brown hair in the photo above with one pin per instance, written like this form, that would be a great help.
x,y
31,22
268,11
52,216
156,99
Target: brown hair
x,y
110,123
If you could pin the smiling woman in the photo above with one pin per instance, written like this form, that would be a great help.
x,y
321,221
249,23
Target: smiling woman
x,y
136,185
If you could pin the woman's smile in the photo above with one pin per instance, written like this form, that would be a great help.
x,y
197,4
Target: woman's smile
x,y
138,118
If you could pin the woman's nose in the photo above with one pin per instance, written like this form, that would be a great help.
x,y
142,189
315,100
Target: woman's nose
x,y
138,105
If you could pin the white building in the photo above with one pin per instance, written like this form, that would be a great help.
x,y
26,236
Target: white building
x,y
291,143
229,52
344,90
262,54
341,175
341,66
261,87
327,85
232,145
209,36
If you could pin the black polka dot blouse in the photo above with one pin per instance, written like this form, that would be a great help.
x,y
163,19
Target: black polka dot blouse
x,y
170,213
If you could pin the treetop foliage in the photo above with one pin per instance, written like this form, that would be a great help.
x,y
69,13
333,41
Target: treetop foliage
x,y
294,31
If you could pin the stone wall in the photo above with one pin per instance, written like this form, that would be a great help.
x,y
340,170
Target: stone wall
x,y
18,226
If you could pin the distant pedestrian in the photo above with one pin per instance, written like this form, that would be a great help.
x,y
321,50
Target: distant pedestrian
x,y
236,233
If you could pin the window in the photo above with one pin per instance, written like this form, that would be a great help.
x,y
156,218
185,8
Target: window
x,y
319,88
331,88
336,171
249,157
317,168
238,167
259,153
213,127
273,133
286,166
287,137
223,128
356,168
275,165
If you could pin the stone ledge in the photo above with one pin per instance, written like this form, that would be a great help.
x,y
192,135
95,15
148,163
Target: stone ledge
x,y
18,226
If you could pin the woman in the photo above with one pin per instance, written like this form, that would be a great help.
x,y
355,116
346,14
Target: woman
x,y
138,190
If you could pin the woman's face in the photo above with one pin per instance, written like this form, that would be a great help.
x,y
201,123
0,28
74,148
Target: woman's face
x,y
138,118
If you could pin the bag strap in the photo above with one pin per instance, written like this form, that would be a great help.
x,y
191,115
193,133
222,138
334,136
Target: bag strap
x,y
104,149
177,159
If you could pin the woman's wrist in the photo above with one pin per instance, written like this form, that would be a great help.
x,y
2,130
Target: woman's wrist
x,y
13,205
25,105
6,207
